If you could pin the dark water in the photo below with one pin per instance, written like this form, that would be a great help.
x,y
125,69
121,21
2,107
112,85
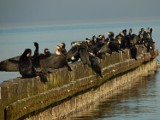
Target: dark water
x,y
139,102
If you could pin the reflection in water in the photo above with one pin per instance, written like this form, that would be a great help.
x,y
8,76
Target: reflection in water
x,y
140,101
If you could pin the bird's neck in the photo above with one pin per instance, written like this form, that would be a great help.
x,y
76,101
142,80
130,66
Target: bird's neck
x,y
58,52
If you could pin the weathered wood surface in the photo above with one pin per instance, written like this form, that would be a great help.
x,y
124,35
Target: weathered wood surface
x,y
22,96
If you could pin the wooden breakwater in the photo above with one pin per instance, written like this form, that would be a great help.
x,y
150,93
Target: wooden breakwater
x,y
66,91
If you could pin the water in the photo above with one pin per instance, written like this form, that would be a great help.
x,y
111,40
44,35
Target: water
x,y
140,102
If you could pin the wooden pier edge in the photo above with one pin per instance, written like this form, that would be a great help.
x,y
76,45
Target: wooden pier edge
x,y
57,96
65,91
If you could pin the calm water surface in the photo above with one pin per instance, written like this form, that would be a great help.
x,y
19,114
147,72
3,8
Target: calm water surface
x,y
142,102
139,102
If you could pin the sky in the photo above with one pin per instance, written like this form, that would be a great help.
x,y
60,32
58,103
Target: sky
x,y
43,12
